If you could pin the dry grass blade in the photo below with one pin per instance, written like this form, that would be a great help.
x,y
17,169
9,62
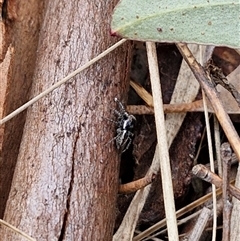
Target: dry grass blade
x,y
179,213
185,91
210,151
147,97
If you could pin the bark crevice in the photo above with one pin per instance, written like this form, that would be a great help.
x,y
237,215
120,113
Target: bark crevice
x,y
71,183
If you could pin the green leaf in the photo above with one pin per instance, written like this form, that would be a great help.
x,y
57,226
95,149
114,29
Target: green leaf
x,y
210,22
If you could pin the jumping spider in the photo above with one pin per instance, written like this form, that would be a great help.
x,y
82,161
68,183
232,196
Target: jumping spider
x,y
125,125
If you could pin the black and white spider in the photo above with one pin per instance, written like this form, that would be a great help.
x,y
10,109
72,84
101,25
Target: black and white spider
x,y
124,128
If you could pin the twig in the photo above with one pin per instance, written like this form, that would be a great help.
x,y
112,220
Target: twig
x,y
226,155
140,110
205,174
213,97
217,144
59,83
136,185
127,227
195,106
167,186
179,222
168,108
200,224
179,213
16,230
218,77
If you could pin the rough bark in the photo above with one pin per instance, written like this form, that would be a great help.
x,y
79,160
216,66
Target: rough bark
x,y
19,28
66,178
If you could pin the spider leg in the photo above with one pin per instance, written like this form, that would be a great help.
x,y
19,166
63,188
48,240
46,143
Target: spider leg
x,y
120,138
115,111
113,139
127,142
120,104
110,120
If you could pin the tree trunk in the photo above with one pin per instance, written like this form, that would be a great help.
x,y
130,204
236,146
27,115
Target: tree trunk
x,y
66,178
19,31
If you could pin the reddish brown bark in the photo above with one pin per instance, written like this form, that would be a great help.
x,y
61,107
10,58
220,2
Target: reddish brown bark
x,y
66,178
19,29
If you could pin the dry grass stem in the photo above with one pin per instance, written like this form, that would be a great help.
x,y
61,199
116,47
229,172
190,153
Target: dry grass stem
x,y
59,83
226,155
167,186
16,230
210,151
145,95
185,91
